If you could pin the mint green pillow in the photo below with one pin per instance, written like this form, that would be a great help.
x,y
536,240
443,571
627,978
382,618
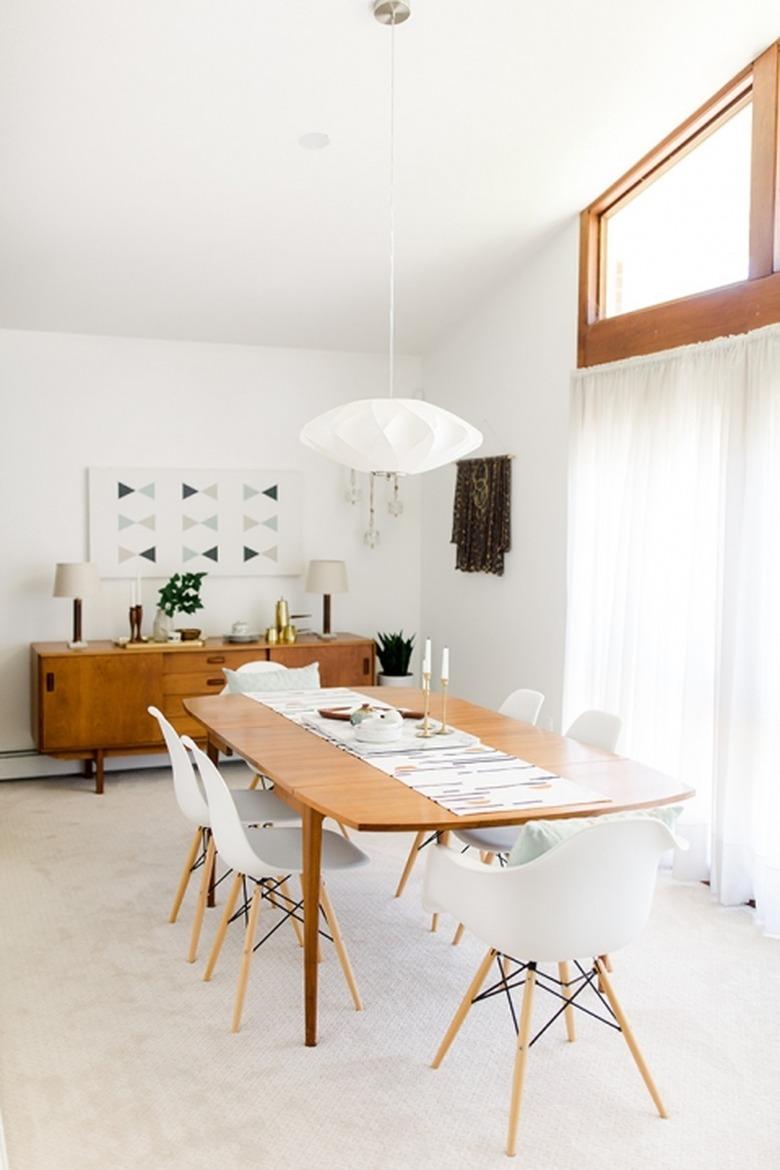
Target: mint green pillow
x,y
302,678
537,837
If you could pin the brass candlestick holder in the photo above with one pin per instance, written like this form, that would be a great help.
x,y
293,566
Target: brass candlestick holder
x,y
136,617
444,729
426,731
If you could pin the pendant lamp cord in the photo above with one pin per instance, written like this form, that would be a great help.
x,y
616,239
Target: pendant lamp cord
x,y
391,362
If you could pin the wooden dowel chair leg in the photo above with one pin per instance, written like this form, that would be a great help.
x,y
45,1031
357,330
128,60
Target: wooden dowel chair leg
x,y
255,781
458,935
463,1008
629,1037
343,831
285,889
186,874
410,860
568,1015
521,1059
219,938
246,960
205,884
607,963
341,950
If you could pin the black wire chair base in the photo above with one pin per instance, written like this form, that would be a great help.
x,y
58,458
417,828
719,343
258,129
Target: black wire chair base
x,y
506,984
271,891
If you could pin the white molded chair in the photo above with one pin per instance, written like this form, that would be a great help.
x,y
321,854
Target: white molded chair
x,y
261,666
261,855
596,728
523,705
254,808
588,896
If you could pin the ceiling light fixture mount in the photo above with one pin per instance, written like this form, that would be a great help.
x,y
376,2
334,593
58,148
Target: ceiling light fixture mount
x,y
391,11
391,436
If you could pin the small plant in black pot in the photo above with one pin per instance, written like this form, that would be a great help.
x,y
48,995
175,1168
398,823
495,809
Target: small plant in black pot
x,y
394,652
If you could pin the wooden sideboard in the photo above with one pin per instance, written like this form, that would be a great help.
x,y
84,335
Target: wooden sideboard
x,y
91,703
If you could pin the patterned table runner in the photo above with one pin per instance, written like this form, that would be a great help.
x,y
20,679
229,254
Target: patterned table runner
x,y
456,771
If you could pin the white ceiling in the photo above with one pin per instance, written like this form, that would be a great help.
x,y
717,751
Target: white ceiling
x,y
152,183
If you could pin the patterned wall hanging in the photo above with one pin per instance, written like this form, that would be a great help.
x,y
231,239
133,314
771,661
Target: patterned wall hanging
x,y
482,514
228,523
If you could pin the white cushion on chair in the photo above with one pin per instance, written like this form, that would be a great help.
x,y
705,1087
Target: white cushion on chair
x,y
537,837
303,678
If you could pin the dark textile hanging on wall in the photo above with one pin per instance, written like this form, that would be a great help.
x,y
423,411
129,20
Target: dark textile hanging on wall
x,y
481,518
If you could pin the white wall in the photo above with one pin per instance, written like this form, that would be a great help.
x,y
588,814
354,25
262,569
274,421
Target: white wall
x,y
70,402
506,370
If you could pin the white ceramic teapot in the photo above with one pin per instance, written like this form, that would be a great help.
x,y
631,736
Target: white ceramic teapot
x,y
383,726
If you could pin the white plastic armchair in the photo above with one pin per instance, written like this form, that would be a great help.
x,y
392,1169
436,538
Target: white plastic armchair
x,y
267,857
523,704
255,808
596,728
588,896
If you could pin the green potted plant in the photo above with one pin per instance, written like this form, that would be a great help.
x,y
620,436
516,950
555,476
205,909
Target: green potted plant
x,y
394,652
179,595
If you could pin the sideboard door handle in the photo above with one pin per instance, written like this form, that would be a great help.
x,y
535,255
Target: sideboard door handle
x,y
215,682
215,659
49,681
366,666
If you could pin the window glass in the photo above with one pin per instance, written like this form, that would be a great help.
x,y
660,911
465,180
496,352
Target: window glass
x,y
688,230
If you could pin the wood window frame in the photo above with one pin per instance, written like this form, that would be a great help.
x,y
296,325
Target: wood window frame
x,y
733,308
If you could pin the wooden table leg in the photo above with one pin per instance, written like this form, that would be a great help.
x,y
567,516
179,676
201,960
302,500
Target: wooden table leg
x,y
212,751
99,772
312,878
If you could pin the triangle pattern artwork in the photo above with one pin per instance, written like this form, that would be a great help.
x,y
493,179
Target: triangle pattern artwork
x,y
128,554
232,523
122,490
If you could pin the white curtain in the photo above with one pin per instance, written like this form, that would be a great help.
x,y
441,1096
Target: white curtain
x,y
674,589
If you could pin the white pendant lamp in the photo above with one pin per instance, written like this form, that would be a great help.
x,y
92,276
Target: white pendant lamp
x,y
391,436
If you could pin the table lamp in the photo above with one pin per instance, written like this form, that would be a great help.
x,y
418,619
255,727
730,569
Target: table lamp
x,y
76,581
326,577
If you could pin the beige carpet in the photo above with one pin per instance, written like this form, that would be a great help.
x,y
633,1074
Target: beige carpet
x,y
115,1055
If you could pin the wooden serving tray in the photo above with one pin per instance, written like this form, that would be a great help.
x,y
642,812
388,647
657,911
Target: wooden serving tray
x,y
150,645
343,713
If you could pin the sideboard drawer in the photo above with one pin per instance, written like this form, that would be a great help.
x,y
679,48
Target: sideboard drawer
x,y
182,662
197,682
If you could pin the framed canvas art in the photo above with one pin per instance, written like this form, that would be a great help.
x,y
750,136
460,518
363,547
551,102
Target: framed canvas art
x,y
229,523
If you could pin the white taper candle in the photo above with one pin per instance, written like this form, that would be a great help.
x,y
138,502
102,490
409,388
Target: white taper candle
x,y
445,664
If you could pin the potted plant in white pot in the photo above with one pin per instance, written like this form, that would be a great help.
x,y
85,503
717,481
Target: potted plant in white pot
x,y
180,595
394,652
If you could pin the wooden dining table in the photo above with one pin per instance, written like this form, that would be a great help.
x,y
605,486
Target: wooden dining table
x,y
321,780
